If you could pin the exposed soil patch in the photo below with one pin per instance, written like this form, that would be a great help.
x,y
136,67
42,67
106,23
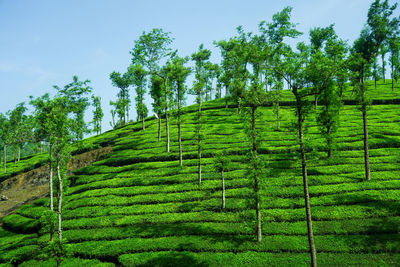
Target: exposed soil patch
x,y
26,187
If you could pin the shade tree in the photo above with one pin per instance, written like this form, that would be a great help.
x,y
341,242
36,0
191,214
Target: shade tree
x,y
97,114
5,136
77,93
200,58
122,104
272,34
381,23
178,73
138,78
149,51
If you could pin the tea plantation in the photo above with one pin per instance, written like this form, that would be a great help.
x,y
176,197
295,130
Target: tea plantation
x,y
137,207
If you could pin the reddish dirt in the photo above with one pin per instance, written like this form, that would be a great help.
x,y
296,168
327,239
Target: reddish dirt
x,y
26,187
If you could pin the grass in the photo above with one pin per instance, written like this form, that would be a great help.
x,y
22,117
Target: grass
x,y
137,207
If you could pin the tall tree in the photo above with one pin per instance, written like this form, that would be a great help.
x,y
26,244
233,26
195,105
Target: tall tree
x,y
327,56
394,59
77,94
58,125
292,68
138,76
376,71
381,24
151,48
210,72
97,114
362,55
123,103
200,58
156,92
44,112
178,74
253,98
18,130
222,162
319,36
226,65
273,34
5,137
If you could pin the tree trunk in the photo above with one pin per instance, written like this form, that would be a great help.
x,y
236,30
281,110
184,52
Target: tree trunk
x,y
113,119
383,67
159,126
392,78
366,152
143,126
311,243
365,123
19,153
127,113
179,129
256,185
375,82
316,101
5,158
60,195
223,188
277,116
51,192
166,116
329,141
199,138
226,96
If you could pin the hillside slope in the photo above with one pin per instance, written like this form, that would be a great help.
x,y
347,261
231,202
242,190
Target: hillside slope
x,y
137,207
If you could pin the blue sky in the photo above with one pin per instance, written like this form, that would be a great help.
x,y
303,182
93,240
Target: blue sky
x,y
45,43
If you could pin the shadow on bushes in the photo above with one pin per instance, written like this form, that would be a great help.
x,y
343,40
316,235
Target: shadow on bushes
x,y
174,259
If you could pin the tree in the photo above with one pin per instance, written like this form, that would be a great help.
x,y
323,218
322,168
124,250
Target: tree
x,y
122,104
362,54
76,93
18,128
381,24
273,34
97,114
210,72
4,137
226,66
240,61
200,59
253,98
292,69
138,76
222,162
167,94
394,59
149,50
319,36
178,74
59,125
376,71
327,56
156,92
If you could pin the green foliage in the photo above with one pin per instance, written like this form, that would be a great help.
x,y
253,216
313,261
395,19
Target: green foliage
x,y
123,103
77,102
97,114
67,262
